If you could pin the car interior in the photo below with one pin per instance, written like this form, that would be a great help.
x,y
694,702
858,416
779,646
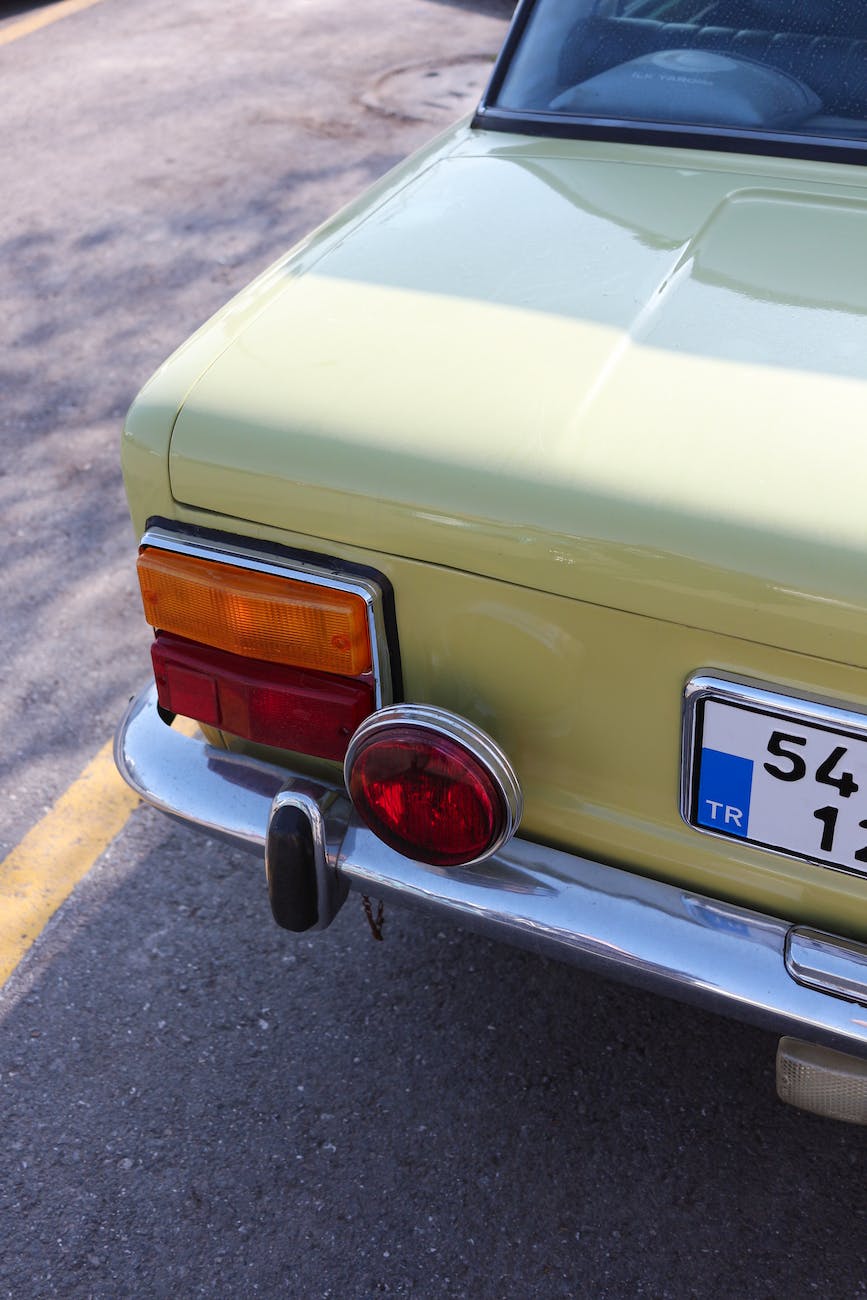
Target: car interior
x,y
768,65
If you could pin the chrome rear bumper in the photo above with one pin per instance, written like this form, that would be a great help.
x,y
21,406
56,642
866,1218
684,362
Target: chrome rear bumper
x,y
756,968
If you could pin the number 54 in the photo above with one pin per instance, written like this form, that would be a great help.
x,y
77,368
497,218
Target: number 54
x,y
780,746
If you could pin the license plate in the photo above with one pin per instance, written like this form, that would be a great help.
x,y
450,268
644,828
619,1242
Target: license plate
x,y
785,774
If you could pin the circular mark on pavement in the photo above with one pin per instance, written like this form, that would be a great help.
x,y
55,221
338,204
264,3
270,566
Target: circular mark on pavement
x,y
439,92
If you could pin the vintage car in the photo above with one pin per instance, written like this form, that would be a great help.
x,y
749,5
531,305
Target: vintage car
x,y
508,537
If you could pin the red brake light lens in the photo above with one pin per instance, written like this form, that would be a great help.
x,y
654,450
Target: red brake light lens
x,y
427,796
313,713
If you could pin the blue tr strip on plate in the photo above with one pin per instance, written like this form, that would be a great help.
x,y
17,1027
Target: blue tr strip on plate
x,y
724,791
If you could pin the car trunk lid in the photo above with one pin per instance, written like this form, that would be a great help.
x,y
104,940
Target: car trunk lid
x,y
637,386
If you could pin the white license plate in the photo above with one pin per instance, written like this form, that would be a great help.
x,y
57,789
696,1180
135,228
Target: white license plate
x,y
785,774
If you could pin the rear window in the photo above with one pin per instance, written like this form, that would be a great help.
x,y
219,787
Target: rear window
x,y
773,68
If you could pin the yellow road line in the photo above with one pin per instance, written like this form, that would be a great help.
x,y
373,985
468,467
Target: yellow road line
x,y
41,18
42,871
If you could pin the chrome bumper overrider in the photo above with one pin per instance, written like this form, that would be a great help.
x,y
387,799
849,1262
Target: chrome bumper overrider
x,y
661,937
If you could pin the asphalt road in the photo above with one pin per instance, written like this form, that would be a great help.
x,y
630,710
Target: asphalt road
x,y
191,1101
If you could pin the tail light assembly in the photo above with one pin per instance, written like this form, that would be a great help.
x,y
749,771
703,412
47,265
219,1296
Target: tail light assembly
x,y
296,653
432,785
276,649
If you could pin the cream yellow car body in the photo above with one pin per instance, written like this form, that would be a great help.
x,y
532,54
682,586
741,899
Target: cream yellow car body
x,y
597,411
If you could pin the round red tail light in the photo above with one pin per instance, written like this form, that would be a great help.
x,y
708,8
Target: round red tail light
x,y
432,786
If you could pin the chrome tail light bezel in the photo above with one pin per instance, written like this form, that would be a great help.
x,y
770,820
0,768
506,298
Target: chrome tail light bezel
x,y
320,571
485,751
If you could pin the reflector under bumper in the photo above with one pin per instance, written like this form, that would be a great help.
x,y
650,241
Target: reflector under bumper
x,y
828,1083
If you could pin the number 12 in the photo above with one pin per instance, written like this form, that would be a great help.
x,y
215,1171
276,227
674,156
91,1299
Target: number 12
x,y
828,817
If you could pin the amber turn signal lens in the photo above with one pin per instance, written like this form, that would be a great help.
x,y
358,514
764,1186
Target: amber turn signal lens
x,y
259,615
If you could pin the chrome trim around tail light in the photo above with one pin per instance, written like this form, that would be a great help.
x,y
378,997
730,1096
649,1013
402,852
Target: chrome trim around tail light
x,y
233,551
477,743
645,932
